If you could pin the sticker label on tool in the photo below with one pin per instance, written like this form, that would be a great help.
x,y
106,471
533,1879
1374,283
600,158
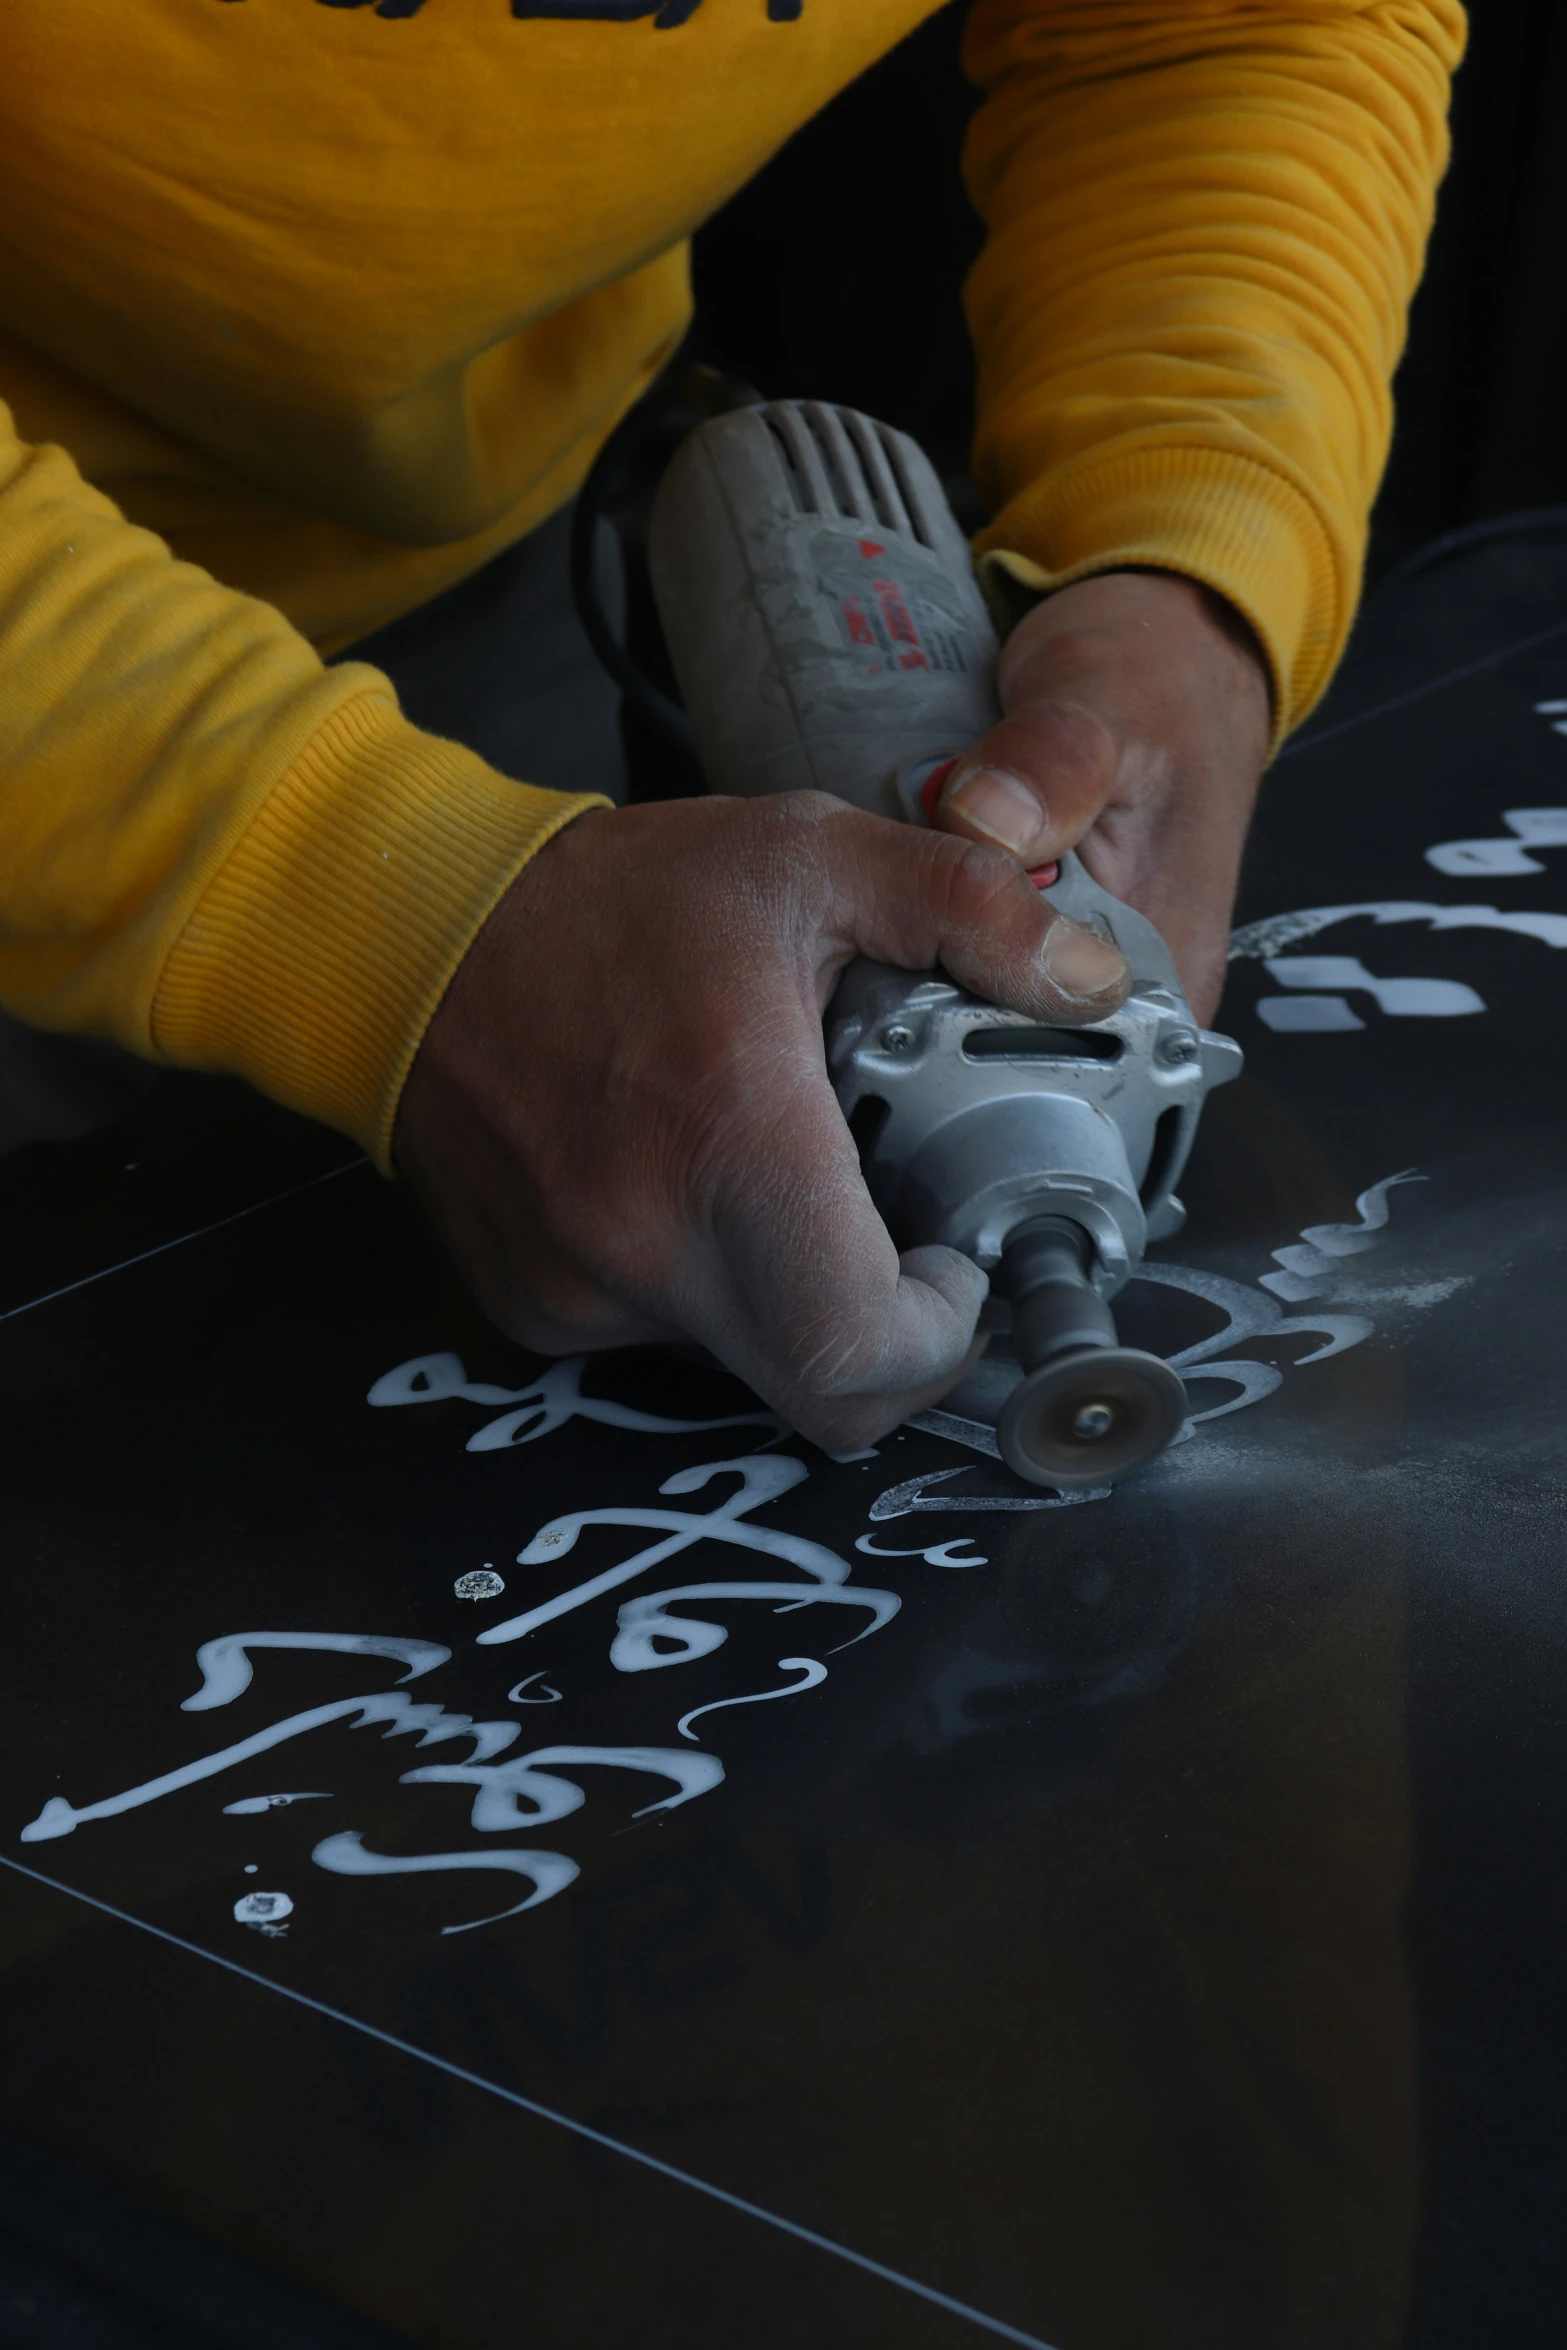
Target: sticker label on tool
x,y
889,630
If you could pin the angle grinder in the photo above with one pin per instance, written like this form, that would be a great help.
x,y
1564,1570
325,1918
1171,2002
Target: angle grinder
x,y
826,630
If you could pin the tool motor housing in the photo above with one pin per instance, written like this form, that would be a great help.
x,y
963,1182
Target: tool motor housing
x,y
819,605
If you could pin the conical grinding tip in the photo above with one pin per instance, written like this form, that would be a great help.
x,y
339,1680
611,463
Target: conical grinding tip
x,y
1090,1417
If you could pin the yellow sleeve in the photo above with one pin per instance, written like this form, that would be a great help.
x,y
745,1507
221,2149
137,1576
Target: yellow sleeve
x,y
1206,218
213,849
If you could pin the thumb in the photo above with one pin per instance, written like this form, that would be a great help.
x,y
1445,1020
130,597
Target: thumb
x,y
1036,782
914,898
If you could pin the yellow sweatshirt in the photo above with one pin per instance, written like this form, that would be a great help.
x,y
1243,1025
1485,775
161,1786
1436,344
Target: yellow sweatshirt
x,y
308,307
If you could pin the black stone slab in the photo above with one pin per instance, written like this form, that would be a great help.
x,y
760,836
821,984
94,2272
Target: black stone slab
x,y
1133,1922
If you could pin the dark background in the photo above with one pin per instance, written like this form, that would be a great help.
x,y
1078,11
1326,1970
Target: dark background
x,y
795,294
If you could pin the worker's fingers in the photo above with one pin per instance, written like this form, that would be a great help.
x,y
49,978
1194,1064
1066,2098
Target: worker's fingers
x,y
1037,781
801,1291
917,898
1069,682
1137,720
589,1322
911,1348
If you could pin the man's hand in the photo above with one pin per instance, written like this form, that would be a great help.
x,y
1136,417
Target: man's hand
x,y
621,1119
1137,723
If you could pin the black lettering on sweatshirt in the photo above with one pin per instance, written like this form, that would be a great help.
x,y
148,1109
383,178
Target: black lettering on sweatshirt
x,y
666,14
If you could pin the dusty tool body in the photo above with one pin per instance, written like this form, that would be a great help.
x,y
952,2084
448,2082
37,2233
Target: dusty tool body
x,y
827,631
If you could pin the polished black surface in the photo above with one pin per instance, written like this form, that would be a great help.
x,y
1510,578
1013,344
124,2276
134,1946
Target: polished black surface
x,y
1134,1922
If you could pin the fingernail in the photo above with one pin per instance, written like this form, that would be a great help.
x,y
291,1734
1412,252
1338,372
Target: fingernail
x,y
1080,962
997,804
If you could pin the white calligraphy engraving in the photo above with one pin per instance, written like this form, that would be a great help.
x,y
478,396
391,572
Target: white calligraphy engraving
x,y
226,1669
502,1788
550,1873
1527,828
249,1806
975,1434
1262,941
1310,1266
939,1554
517,1693
813,1675
1400,999
521,1791
648,1637
265,1911
1248,1314
479,1583
546,1403
401,1715
899,1501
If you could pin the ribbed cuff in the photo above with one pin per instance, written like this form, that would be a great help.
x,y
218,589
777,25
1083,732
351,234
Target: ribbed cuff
x,y
314,961
1214,516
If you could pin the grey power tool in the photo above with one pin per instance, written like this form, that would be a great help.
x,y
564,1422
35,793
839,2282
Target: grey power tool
x,y
826,629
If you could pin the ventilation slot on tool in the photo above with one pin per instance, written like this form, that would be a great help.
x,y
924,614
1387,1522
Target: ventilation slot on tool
x,y
1163,1157
1041,1044
848,489
886,501
866,1121
799,487
918,526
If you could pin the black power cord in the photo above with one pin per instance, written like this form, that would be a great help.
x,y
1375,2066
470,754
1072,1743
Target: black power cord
x,y
619,485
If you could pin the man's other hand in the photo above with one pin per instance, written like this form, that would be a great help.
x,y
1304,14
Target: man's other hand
x,y
621,1119
1136,728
